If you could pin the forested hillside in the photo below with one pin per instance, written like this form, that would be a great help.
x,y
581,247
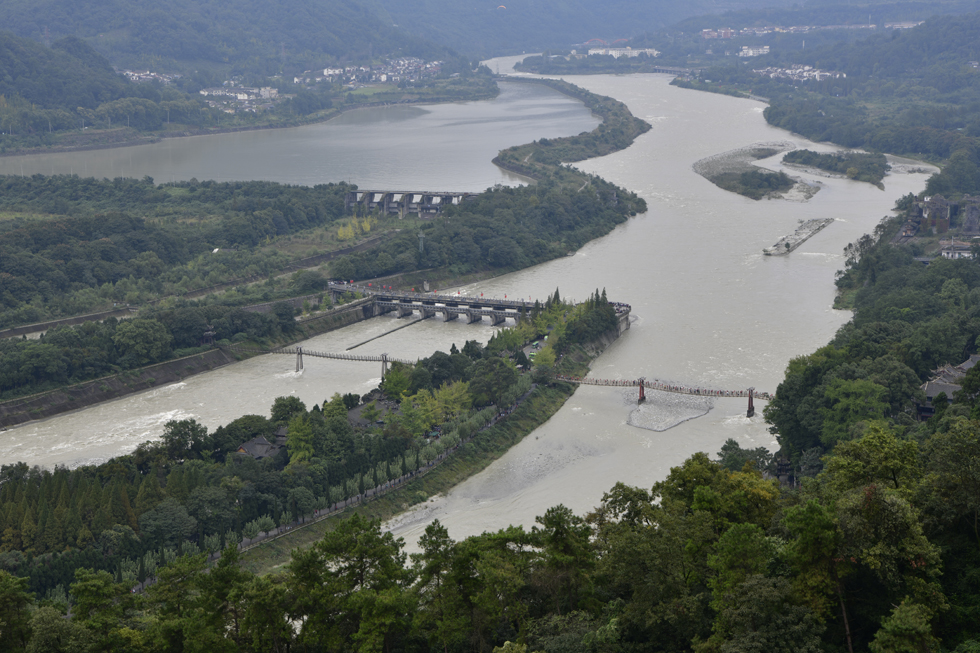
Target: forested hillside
x,y
818,24
191,491
68,96
247,36
69,74
52,89
251,35
492,28
908,91
85,244
876,553
826,12
909,320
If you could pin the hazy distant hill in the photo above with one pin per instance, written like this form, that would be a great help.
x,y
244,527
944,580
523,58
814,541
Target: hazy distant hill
x,y
487,27
831,12
69,85
69,74
250,35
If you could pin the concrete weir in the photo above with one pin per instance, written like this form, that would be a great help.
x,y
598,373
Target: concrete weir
x,y
427,305
401,203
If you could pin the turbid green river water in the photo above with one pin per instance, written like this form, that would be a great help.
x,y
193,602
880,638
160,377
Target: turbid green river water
x,y
708,307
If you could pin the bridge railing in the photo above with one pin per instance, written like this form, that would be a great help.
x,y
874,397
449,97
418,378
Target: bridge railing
x,y
366,358
293,351
664,387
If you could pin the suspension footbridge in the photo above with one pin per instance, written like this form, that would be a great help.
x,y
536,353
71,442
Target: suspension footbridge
x,y
643,384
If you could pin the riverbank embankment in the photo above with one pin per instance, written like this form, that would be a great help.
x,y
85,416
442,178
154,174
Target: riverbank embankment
x,y
89,393
104,139
43,405
452,468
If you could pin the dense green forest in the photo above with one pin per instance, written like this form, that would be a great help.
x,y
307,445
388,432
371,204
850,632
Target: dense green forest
x,y
909,319
68,355
97,251
68,96
205,35
488,29
908,92
88,243
43,90
860,166
876,552
873,547
190,487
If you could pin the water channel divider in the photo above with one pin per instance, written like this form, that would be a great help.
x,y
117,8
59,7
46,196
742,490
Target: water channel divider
x,y
381,490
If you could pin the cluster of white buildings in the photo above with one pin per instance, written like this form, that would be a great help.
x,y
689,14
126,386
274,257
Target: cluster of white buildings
x,y
232,99
410,69
623,52
753,51
148,76
800,73
728,33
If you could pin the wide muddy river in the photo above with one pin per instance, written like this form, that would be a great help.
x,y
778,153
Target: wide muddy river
x,y
708,308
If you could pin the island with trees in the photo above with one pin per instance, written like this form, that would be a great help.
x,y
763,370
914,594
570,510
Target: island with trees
x,y
860,166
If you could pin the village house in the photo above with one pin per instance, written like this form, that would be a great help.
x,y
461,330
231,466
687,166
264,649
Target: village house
x,y
946,380
956,249
259,447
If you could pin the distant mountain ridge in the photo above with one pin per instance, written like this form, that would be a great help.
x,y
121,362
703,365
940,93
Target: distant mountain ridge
x,y
68,74
263,35
494,27
256,36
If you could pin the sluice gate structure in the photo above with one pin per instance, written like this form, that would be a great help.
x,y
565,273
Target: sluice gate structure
x,y
381,301
451,307
401,203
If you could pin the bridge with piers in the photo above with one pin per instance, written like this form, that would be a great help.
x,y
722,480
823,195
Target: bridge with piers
x,y
451,307
642,383
474,309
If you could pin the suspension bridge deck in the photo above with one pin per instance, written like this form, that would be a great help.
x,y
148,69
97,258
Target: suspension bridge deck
x,y
663,386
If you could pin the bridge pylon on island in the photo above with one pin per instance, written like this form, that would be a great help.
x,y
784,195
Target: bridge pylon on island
x,y
384,358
